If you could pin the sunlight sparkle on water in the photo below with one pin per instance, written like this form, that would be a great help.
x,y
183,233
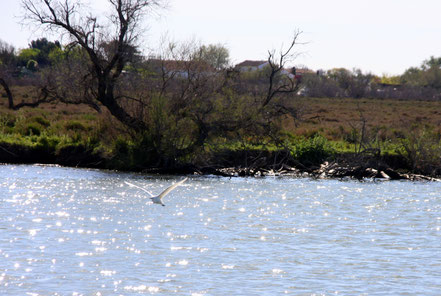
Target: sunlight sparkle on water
x,y
257,236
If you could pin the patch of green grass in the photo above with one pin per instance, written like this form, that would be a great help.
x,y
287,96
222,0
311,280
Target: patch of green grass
x,y
89,117
75,125
31,128
41,121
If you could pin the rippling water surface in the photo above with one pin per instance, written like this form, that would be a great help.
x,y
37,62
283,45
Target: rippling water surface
x,y
67,231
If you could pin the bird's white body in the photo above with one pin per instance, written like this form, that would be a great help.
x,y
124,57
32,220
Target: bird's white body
x,y
158,199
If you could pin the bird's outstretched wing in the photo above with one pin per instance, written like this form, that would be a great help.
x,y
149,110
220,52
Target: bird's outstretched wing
x,y
133,185
166,191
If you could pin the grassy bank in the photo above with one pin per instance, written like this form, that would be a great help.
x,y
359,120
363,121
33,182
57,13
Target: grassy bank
x,y
404,134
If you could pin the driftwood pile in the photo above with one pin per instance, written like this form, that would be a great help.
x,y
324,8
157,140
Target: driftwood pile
x,y
336,170
328,170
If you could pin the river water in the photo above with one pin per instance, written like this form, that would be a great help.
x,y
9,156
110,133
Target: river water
x,y
66,231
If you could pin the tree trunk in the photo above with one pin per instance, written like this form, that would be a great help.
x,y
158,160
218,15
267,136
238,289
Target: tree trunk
x,y
107,98
8,93
120,114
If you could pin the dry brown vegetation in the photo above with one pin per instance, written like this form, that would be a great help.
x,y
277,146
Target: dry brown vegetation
x,y
333,118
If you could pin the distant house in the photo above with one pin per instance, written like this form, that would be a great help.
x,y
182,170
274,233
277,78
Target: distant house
x,y
251,66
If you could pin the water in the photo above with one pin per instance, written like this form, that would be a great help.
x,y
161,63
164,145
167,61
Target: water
x,y
67,231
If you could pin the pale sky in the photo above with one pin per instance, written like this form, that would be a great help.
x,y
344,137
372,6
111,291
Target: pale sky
x,y
378,36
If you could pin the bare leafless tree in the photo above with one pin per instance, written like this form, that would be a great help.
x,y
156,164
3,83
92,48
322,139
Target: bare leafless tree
x,y
277,83
73,19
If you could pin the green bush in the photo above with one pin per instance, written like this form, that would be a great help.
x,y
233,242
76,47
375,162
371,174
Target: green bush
x,y
136,155
31,129
121,154
312,151
121,147
29,126
421,148
7,123
48,143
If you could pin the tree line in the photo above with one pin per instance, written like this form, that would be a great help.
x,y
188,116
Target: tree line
x,y
417,83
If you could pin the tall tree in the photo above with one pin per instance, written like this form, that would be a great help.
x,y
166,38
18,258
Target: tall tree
x,y
75,20
427,75
45,47
216,55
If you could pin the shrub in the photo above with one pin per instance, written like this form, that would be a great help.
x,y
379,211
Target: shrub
x,y
312,151
31,129
137,155
7,121
48,143
121,154
421,148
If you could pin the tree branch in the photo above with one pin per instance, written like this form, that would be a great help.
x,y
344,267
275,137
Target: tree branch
x,y
275,68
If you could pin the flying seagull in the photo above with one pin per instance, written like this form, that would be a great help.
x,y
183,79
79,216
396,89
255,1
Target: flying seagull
x,y
158,199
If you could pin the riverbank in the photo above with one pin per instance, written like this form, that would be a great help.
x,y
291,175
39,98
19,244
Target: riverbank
x,y
229,164
331,138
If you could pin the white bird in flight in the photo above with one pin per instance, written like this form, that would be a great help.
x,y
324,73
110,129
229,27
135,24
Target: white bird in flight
x,y
158,199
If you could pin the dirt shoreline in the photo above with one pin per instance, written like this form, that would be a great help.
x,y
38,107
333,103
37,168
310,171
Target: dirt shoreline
x,y
328,170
